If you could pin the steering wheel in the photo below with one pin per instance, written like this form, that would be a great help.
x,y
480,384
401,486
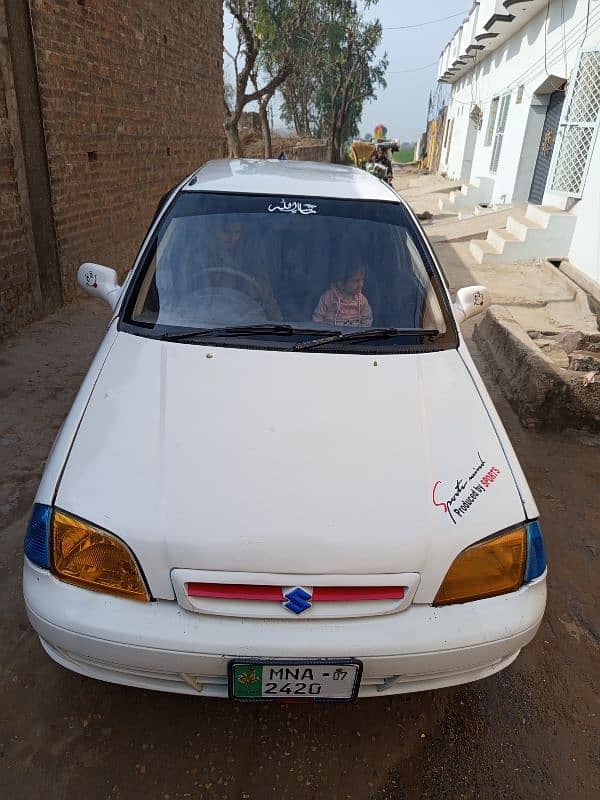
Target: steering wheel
x,y
238,274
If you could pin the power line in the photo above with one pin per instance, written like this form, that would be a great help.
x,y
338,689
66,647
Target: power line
x,y
416,69
430,22
587,23
540,66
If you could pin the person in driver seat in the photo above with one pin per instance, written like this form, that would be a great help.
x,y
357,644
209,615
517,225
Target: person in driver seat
x,y
344,302
229,262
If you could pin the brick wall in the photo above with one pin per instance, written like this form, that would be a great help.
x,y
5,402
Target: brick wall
x,y
131,98
16,295
15,289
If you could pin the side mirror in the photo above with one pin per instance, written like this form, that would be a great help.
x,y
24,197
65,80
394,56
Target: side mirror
x,y
470,301
101,282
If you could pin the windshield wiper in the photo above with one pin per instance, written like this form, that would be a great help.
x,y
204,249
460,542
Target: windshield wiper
x,y
239,330
363,336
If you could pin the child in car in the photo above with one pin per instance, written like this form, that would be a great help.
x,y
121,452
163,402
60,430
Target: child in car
x,y
344,302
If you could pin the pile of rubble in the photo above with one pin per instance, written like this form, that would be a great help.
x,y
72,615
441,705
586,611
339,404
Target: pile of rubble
x,y
551,379
573,350
293,146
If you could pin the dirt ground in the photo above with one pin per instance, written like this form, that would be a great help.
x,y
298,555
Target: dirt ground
x,y
531,731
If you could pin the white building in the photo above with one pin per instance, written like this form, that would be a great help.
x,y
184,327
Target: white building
x,y
523,119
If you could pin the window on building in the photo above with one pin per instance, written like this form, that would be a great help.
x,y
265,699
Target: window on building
x,y
498,138
489,134
578,127
450,132
520,91
446,133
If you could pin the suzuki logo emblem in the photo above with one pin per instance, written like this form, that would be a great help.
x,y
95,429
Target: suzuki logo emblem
x,y
297,600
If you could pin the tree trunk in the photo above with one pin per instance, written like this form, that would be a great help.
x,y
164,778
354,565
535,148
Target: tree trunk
x,y
305,121
291,99
334,130
339,144
233,138
298,124
266,130
332,149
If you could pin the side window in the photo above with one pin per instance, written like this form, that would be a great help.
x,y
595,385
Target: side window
x,y
499,137
491,124
432,315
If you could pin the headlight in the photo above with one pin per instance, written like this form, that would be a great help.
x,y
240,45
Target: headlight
x,y
90,557
494,566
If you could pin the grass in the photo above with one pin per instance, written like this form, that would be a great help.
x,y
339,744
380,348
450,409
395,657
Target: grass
x,y
404,156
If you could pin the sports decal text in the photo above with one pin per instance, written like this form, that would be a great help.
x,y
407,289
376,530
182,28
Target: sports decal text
x,y
457,501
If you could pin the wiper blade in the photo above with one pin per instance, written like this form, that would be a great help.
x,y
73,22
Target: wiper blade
x,y
239,330
366,335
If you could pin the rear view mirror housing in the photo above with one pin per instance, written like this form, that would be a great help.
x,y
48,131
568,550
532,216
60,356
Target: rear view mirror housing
x,y
471,301
100,282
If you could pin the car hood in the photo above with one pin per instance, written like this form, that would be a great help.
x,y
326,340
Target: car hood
x,y
279,462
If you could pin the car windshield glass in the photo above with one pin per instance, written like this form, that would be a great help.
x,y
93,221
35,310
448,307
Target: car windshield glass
x,y
224,261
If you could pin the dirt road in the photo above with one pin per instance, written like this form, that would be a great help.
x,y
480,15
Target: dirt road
x,y
529,732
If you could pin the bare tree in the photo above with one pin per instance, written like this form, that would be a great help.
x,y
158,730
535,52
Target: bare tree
x,y
263,112
260,25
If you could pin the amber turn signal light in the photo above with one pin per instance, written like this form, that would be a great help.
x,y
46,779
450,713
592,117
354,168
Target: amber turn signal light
x,y
93,559
494,566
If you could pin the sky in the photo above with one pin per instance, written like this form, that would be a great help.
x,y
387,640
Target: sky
x,y
402,106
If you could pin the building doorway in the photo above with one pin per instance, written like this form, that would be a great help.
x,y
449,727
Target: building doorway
x,y
471,141
546,147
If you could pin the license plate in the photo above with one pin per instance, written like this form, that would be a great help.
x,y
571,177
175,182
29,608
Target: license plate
x,y
321,680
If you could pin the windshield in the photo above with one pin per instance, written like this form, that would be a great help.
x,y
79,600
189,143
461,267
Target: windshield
x,y
288,267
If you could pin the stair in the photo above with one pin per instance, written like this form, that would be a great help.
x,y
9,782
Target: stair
x,y
469,196
482,210
539,233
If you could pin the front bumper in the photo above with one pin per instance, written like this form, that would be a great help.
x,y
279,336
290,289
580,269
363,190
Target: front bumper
x,y
161,646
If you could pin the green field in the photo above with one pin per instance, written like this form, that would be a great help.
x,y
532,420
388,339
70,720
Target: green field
x,y
404,156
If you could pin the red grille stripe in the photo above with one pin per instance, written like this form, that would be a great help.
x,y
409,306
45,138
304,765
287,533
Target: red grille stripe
x,y
235,591
329,594
348,594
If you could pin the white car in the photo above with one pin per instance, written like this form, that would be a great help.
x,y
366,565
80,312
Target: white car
x,y
282,476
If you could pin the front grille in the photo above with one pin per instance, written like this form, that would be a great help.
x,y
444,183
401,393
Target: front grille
x,y
301,597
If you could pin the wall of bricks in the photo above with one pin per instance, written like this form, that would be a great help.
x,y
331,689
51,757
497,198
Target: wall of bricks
x,y
16,294
131,94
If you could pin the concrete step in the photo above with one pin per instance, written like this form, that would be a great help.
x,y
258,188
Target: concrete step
x,y
540,233
483,251
541,215
499,238
480,211
519,224
453,229
484,184
480,190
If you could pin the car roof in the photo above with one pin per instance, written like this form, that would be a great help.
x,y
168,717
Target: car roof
x,y
289,178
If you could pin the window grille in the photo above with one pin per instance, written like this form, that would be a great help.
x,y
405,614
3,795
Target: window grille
x,y
489,133
499,133
578,127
